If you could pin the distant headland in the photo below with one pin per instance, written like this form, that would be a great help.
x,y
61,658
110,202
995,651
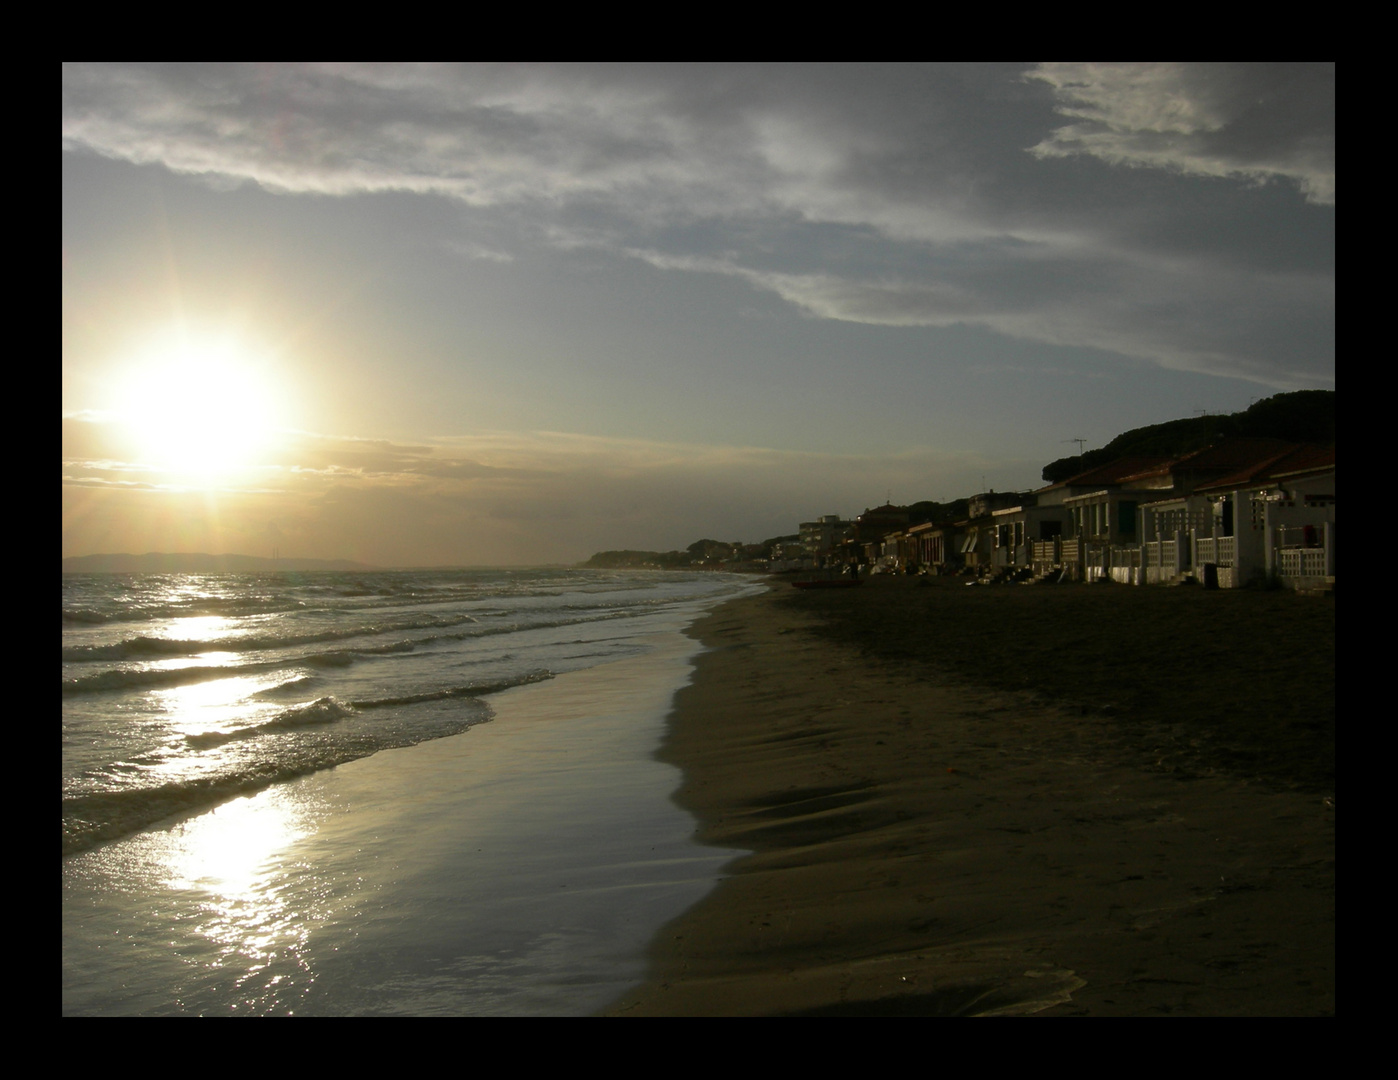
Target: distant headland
x,y
159,562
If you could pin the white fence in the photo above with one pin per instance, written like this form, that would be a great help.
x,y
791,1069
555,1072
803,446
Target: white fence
x,y
1161,561
1219,550
1301,562
1161,553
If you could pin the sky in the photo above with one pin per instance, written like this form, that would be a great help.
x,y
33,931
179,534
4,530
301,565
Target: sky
x,y
516,314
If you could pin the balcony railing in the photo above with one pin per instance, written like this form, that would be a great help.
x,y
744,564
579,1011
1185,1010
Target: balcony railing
x,y
1301,562
1160,553
1125,557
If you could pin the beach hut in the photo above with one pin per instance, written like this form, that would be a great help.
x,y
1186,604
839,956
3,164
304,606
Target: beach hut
x,y
1273,518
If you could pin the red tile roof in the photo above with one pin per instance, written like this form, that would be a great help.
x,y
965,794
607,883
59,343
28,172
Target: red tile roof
x,y
1231,462
1293,459
1114,472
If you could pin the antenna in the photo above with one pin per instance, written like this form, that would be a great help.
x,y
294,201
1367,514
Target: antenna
x,y
1080,442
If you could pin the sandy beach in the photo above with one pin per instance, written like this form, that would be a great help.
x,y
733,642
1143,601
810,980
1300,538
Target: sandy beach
x,y
943,820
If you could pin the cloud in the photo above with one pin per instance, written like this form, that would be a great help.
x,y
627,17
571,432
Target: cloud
x,y
99,451
502,499
1249,121
889,195
655,145
484,134
1181,314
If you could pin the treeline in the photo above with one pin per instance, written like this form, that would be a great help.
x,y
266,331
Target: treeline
x,y
1304,416
700,553
919,513
637,560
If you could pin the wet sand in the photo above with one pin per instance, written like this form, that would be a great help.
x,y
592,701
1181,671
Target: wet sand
x,y
932,834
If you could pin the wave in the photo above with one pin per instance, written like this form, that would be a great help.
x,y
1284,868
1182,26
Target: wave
x,y
144,647
157,610
295,742
303,704
154,678
96,599
85,617
97,817
141,646
157,678
148,598
480,689
324,710
134,648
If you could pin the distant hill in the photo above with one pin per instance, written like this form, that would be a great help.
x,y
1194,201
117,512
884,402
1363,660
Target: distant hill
x,y
637,560
157,562
1305,416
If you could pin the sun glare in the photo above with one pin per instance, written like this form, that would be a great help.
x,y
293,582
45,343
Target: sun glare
x,y
201,410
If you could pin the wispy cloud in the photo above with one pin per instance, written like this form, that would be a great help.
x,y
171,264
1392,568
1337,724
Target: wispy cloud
x,y
1250,121
894,196
1164,311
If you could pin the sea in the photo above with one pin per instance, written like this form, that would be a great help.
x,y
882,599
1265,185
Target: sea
x,y
373,793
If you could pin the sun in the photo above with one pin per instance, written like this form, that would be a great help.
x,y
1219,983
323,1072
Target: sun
x,y
202,409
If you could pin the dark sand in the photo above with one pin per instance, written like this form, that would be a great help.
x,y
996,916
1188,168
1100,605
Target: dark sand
x,y
1065,801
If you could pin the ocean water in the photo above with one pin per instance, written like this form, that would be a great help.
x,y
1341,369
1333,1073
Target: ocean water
x,y
356,794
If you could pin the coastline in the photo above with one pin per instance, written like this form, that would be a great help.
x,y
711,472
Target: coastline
x,y
518,868
922,846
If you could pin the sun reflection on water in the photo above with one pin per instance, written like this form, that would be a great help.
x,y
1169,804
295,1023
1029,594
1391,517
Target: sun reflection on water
x,y
227,849
203,706
230,856
200,627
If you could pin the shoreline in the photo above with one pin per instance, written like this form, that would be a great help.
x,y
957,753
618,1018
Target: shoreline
x,y
922,846
517,868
